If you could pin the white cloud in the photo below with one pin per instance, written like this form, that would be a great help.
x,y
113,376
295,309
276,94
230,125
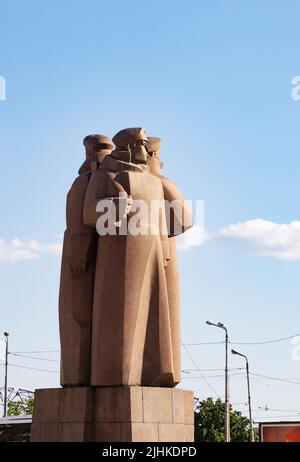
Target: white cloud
x,y
16,250
260,237
266,238
194,237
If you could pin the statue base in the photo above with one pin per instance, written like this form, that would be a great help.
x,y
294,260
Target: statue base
x,y
113,414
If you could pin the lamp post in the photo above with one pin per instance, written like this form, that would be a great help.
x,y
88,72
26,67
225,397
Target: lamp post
x,y
6,334
235,352
227,404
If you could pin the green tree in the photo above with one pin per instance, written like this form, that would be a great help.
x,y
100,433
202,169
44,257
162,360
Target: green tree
x,y
19,407
210,422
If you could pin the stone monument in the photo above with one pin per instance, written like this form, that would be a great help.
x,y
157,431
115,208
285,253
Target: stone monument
x,y
119,304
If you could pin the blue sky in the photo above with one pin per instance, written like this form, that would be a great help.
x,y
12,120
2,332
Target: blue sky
x,y
213,80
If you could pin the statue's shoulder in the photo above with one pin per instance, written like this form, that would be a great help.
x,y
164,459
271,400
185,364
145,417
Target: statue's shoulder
x,y
155,178
82,178
166,182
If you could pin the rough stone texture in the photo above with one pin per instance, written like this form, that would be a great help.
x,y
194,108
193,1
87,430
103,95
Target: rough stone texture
x,y
62,432
135,327
178,406
157,405
64,405
119,404
113,414
108,431
131,330
78,273
119,305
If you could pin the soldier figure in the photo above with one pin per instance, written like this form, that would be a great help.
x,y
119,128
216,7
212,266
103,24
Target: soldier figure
x,y
132,322
78,272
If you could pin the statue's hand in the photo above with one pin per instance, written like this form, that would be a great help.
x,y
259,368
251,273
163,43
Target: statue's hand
x,y
123,206
128,205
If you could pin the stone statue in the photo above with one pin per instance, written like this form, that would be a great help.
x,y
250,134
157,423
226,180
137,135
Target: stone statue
x,y
135,330
119,303
78,272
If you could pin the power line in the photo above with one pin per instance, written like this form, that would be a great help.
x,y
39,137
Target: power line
x,y
247,343
272,385
203,343
219,369
34,357
278,386
261,377
267,341
33,352
276,378
275,416
195,365
210,376
33,368
278,410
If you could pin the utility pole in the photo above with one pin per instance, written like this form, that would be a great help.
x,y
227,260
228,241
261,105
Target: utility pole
x,y
6,334
235,352
227,399
227,403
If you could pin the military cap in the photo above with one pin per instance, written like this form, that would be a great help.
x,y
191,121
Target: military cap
x,y
129,136
95,140
153,144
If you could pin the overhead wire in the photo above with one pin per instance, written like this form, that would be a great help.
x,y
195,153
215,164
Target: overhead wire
x,y
195,365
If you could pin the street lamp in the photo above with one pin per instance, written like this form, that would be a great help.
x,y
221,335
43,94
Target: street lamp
x,y
6,334
235,352
227,405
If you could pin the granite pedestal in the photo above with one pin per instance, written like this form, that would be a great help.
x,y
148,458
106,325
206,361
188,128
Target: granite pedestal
x,y
113,414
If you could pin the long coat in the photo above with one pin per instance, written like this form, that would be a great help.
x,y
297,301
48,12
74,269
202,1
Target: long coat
x,y
76,290
172,193
131,328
